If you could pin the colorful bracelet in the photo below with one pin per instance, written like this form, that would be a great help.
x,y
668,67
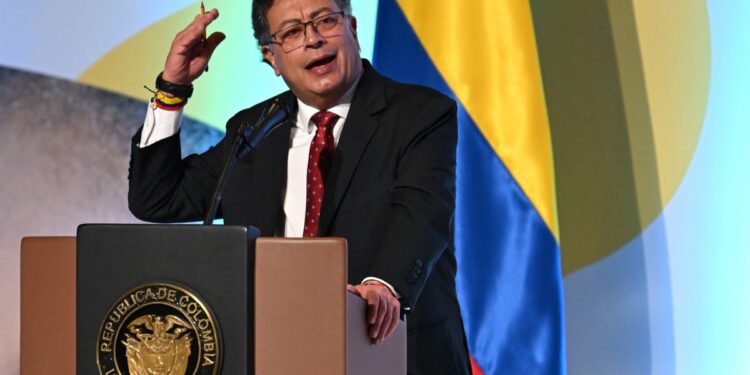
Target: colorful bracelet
x,y
169,105
168,99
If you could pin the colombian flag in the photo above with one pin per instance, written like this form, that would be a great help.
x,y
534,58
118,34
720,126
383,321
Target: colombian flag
x,y
483,53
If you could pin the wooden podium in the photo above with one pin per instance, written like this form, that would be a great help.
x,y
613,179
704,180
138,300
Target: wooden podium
x,y
280,305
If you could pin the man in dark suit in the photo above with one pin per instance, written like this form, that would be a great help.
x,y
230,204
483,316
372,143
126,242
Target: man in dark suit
x,y
362,157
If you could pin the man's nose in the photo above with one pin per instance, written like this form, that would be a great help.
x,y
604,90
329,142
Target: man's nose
x,y
313,38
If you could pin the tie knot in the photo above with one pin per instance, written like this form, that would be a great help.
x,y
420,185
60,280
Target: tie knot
x,y
324,119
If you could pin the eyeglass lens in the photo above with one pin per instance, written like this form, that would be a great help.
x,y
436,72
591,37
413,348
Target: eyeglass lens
x,y
293,37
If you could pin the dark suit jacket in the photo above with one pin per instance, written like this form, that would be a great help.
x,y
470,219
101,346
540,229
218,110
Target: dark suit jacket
x,y
390,193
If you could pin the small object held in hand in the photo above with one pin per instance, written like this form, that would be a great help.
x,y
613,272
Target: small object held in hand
x,y
203,40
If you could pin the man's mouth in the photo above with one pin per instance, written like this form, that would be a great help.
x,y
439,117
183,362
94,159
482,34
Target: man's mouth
x,y
320,62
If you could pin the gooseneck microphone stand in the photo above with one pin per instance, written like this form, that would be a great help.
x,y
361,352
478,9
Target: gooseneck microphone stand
x,y
246,140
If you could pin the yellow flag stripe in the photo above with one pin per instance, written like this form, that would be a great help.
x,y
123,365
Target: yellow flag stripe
x,y
486,51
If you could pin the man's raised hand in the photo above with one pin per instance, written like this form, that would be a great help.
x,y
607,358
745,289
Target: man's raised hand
x,y
189,54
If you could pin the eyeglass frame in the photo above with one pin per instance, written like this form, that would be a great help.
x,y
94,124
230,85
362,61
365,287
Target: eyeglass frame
x,y
311,23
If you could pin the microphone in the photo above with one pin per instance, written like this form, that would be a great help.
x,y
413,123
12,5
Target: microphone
x,y
272,117
246,140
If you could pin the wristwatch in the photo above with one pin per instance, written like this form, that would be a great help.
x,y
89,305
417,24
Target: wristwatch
x,y
176,89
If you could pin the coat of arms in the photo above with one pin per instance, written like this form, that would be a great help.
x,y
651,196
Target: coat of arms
x,y
159,329
157,345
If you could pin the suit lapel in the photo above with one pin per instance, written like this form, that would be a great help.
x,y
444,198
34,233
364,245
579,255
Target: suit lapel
x,y
359,128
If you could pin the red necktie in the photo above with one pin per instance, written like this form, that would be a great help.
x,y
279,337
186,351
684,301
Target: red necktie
x,y
321,158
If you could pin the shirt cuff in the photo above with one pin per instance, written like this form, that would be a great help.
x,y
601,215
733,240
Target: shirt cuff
x,y
389,286
159,124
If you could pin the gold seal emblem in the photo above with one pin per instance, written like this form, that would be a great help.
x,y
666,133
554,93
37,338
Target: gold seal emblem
x,y
159,329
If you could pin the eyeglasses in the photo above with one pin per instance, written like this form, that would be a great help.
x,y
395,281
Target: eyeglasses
x,y
293,36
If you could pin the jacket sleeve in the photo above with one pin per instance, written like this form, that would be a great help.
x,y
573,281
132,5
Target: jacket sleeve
x,y
419,229
163,187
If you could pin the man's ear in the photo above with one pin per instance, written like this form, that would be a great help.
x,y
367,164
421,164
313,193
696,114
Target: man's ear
x,y
353,24
269,58
353,28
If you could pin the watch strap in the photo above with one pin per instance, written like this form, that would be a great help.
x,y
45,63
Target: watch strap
x,y
176,89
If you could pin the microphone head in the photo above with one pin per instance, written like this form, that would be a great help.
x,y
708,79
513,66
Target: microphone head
x,y
273,115
279,103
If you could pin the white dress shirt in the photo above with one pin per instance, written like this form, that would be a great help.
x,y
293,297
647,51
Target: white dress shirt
x,y
302,134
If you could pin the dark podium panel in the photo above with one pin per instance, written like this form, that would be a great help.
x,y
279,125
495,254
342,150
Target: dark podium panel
x,y
214,262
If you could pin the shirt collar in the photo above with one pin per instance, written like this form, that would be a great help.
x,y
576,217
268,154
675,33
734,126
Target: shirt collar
x,y
306,112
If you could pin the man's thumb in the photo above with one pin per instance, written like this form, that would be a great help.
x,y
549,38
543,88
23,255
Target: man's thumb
x,y
212,42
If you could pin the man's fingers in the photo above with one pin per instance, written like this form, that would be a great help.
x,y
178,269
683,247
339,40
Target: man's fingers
x,y
207,51
382,310
383,331
390,321
198,27
353,289
194,32
372,308
207,18
395,310
379,310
